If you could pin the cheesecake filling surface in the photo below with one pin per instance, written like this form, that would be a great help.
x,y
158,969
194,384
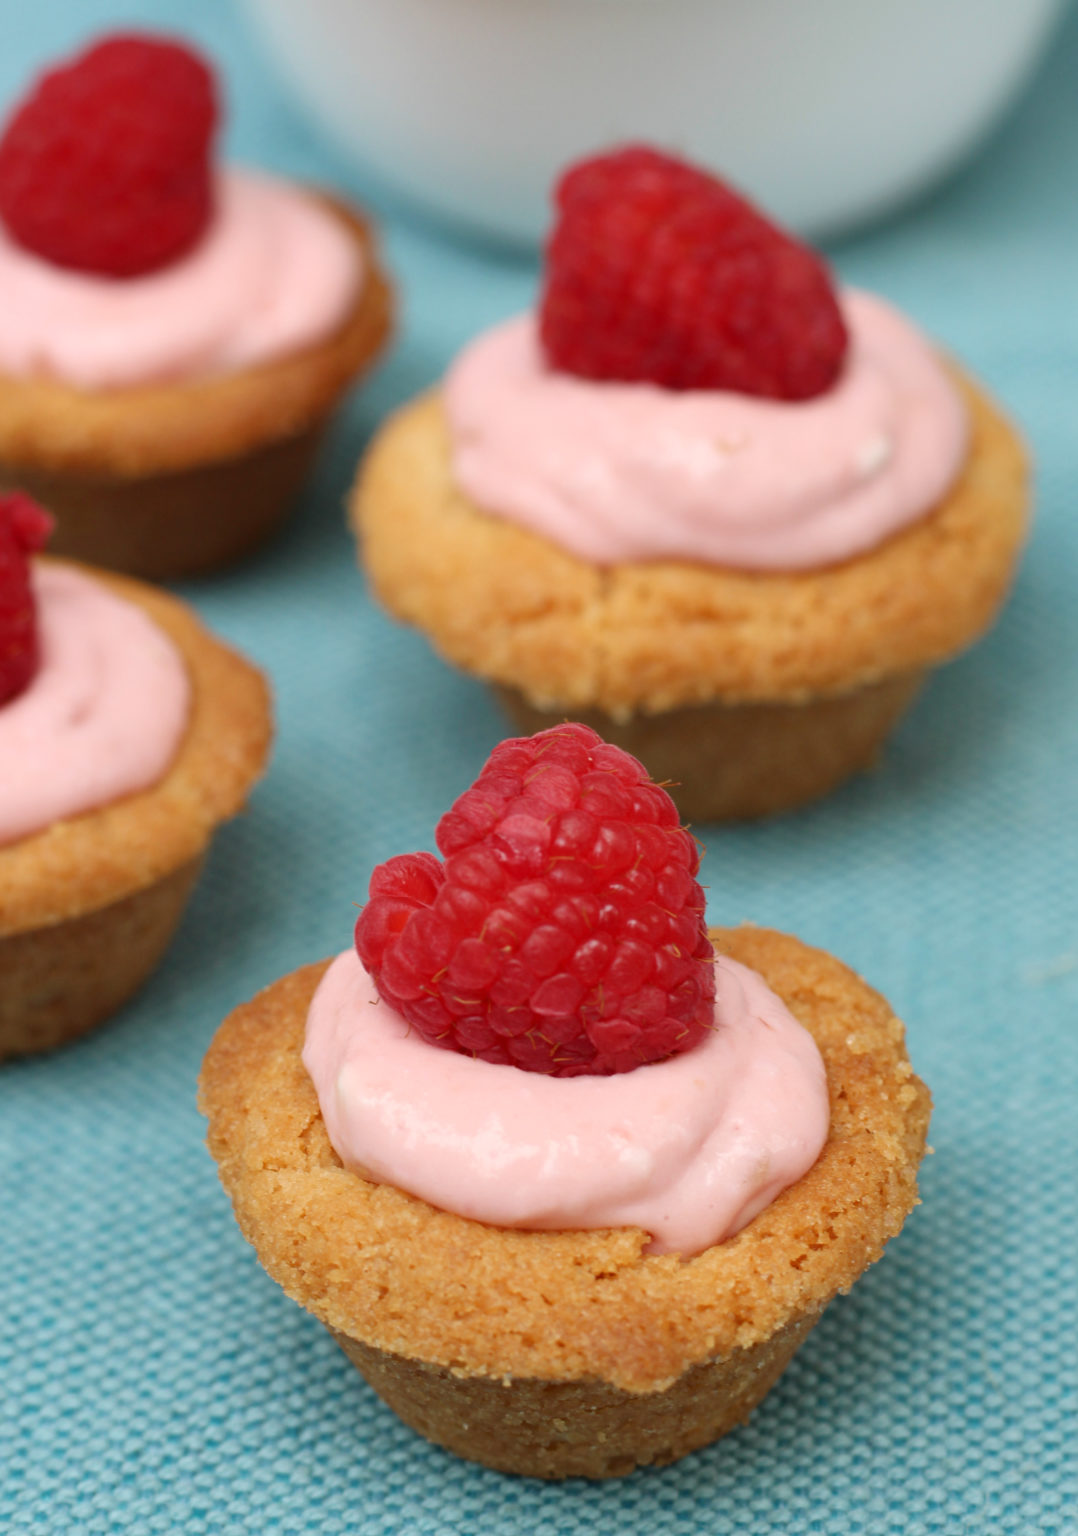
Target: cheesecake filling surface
x,y
617,473
277,271
103,716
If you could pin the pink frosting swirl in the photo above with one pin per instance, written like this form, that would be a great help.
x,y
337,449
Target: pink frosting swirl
x,y
690,1149
275,272
629,472
104,714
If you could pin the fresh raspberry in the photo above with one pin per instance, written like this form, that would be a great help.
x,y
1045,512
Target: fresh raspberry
x,y
565,931
24,527
105,167
658,273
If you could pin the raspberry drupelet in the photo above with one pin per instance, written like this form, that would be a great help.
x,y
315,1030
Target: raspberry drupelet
x,y
656,272
564,933
24,528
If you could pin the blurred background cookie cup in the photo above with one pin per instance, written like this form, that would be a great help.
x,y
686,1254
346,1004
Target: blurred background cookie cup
x,y
176,331
749,692
91,898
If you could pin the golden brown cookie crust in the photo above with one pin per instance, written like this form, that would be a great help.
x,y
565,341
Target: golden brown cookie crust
x,y
105,855
135,432
385,1268
63,979
504,603
559,1429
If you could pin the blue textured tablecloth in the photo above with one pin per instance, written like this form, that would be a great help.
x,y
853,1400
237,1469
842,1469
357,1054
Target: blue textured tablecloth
x,y
152,1379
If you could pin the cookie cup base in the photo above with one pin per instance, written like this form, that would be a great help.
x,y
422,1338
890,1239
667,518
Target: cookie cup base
x,y
522,1349
728,762
62,980
559,1429
165,527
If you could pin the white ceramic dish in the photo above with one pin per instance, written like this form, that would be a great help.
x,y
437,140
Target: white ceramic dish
x,y
827,112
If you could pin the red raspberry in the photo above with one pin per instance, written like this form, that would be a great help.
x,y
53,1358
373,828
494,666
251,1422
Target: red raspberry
x,y
565,931
658,273
105,167
24,527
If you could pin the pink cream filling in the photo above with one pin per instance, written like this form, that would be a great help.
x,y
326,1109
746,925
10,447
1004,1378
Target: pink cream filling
x,y
629,472
102,718
690,1149
276,272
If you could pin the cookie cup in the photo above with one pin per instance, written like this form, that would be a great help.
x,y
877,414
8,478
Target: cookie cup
x,y
89,904
560,1354
747,692
166,481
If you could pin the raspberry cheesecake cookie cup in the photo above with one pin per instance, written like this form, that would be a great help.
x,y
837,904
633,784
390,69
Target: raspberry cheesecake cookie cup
x,y
725,514
175,336
127,735
567,1177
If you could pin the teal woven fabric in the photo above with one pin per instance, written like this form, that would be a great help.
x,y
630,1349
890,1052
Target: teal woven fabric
x,y
153,1380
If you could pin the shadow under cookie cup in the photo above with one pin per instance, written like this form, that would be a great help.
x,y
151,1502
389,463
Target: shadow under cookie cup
x,y
559,1354
747,692
89,904
175,480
